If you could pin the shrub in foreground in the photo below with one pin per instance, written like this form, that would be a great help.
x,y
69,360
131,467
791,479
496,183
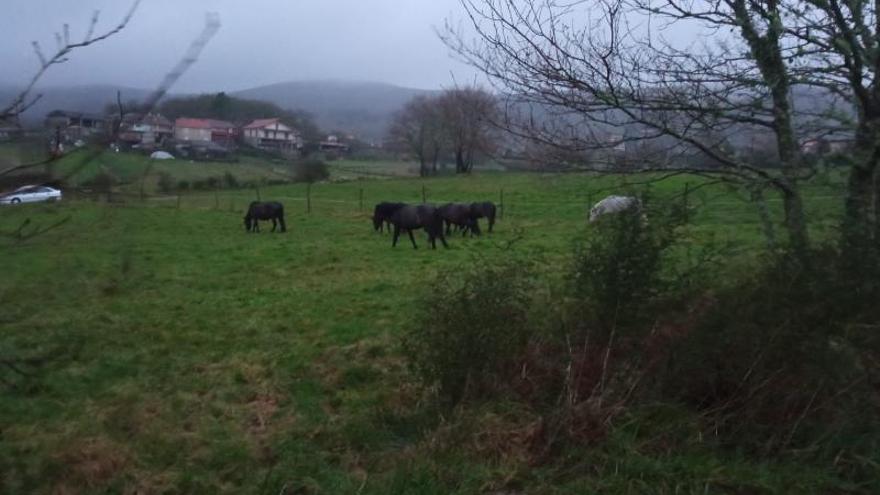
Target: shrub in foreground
x,y
775,365
471,327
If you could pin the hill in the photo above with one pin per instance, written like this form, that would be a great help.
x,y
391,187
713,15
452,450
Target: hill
x,y
363,108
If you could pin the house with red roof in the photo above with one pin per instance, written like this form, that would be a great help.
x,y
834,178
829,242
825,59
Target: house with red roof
x,y
205,130
272,135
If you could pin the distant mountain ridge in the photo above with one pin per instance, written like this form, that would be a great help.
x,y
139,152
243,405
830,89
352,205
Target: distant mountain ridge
x,y
362,108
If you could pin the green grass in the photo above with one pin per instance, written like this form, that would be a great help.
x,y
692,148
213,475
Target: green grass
x,y
132,170
181,355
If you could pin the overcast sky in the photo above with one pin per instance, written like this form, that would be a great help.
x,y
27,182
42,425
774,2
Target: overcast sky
x,y
260,42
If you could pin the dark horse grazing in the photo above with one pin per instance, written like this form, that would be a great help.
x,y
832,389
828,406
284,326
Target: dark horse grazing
x,y
270,210
382,215
460,215
486,209
411,217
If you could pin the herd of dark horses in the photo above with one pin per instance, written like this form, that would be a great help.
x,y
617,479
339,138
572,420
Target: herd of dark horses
x,y
398,217
437,221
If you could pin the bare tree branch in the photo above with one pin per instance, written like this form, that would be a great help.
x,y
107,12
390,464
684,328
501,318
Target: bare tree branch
x,y
65,48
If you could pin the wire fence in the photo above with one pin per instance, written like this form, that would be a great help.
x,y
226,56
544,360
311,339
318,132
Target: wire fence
x,y
310,200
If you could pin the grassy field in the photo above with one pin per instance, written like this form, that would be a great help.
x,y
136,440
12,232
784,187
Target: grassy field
x,y
173,353
132,170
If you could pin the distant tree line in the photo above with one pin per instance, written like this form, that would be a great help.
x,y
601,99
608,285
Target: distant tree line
x,y
455,125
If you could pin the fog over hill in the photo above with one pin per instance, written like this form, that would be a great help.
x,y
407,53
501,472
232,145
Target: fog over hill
x,y
362,108
91,98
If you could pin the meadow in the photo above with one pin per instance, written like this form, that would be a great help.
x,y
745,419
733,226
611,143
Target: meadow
x,y
161,349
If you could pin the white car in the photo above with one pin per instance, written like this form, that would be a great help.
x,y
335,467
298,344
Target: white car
x,y
30,194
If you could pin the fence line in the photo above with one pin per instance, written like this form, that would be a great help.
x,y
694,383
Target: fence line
x,y
504,198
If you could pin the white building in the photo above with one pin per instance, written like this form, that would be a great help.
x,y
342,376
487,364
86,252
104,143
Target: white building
x,y
205,130
272,135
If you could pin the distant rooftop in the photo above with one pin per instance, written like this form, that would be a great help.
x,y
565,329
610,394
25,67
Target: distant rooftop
x,y
260,123
203,123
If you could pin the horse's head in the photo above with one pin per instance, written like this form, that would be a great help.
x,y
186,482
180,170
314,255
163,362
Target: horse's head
x,y
377,221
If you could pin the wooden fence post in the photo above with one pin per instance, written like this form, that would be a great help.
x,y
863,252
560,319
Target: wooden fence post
x,y
501,206
686,199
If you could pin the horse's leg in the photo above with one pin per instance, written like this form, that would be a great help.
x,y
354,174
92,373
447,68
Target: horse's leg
x,y
274,224
411,238
281,221
491,222
443,240
396,235
448,226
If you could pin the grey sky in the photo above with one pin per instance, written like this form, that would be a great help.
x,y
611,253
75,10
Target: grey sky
x,y
260,42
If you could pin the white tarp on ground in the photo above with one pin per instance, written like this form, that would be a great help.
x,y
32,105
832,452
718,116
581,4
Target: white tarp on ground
x,y
162,155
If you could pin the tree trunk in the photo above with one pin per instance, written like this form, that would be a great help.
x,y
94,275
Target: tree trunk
x,y
436,157
459,161
766,218
767,52
857,228
795,221
877,205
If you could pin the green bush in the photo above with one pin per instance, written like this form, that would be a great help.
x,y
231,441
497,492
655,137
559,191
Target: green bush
x,y
310,170
617,272
102,182
471,328
230,181
183,185
207,184
774,364
165,183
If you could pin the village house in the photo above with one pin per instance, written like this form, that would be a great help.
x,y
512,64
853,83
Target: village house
x,y
72,126
205,130
825,145
145,130
272,135
333,144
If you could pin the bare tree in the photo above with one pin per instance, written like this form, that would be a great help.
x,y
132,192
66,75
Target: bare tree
x,y
64,47
468,115
615,79
418,128
212,25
